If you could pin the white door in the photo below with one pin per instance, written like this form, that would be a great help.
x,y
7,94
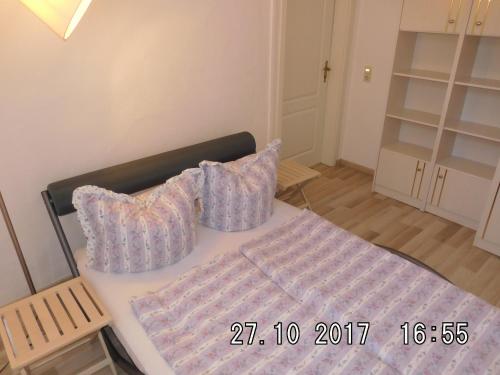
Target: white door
x,y
307,44
485,19
440,16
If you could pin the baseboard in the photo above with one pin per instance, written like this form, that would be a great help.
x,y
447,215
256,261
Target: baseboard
x,y
345,163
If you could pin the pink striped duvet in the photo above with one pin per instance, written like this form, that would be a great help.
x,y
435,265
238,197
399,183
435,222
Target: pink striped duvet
x,y
309,272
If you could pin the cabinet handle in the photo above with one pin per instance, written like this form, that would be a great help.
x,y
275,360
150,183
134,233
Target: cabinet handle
x,y
479,23
451,21
419,169
435,187
442,177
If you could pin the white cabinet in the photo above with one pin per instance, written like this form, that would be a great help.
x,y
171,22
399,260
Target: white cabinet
x,y
485,18
402,174
438,16
458,196
440,143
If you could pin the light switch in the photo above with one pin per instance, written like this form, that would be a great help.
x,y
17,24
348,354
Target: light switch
x,y
367,73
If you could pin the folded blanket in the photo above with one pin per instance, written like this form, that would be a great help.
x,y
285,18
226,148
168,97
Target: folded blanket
x,y
190,320
327,267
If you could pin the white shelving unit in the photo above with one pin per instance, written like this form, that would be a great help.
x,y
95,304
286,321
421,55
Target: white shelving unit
x,y
440,148
421,77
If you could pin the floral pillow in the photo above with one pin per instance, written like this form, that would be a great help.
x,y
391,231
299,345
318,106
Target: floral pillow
x,y
136,234
239,195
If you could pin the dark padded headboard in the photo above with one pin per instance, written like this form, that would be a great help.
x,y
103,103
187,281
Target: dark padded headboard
x,y
144,173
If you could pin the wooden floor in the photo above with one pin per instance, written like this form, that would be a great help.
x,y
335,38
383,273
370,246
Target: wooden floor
x,y
343,196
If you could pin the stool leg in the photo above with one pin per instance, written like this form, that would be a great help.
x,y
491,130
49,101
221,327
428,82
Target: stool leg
x,y
111,364
308,204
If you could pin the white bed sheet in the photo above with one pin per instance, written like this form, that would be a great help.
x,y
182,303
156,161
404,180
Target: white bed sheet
x,y
116,290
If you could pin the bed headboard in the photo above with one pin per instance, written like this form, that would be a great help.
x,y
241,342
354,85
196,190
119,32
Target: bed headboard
x,y
139,175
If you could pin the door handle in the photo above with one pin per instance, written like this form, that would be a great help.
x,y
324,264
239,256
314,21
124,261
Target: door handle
x,y
326,70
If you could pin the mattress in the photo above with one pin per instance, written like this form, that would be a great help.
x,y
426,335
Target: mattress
x,y
116,290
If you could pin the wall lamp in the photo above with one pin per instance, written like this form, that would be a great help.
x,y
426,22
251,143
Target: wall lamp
x,y
62,16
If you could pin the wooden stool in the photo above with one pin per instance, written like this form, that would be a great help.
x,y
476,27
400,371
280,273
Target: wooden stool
x,y
294,175
42,327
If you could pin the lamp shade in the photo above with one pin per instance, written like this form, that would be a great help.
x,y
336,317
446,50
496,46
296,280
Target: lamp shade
x,y
61,15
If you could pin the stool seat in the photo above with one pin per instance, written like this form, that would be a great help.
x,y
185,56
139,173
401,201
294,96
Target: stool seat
x,y
293,174
38,326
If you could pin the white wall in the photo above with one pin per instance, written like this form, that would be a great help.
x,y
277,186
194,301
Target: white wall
x,y
136,78
373,43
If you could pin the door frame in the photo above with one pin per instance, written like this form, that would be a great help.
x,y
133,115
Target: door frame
x,y
339,58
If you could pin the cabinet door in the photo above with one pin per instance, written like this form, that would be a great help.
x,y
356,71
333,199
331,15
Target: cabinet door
x,y
440,16
485,19
396,171
492,232
460,193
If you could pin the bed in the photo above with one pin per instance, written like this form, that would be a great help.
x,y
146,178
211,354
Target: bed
x,y
135,352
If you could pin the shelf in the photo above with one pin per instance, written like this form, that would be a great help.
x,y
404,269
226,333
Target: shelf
x,y
427,75
418,117
481,83
468,166
490,133
409,149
